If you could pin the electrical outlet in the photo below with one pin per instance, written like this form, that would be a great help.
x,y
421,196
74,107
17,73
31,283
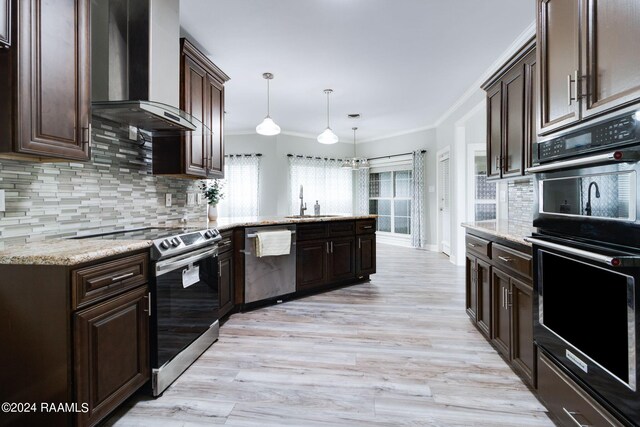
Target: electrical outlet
x,y
2,205
199,199
167,200
432,189
133,133
191,199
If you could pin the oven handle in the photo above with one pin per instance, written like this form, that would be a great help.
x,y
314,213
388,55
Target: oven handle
x,y
616,261
614,156
172,264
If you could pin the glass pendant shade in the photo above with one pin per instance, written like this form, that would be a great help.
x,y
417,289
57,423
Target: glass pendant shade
x,y
327,137
268,127
355,162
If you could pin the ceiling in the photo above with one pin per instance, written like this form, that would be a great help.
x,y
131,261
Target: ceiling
x,y
401,64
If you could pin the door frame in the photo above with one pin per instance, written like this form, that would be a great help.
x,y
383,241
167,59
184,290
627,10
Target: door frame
x,y
446,151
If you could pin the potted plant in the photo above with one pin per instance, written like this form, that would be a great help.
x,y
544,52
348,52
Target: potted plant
x,y
212,190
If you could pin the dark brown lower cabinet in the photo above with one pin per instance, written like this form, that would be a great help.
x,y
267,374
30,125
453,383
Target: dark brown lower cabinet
x,y
501,312
111,354
366,255
311,261
226,283
341,262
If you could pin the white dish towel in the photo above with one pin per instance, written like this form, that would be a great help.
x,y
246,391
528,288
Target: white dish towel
x,y
273,243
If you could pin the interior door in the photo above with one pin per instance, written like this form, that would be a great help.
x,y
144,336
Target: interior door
x,y
444,199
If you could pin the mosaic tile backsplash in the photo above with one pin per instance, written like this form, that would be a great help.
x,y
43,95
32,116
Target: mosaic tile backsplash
x,y
114,189
521,201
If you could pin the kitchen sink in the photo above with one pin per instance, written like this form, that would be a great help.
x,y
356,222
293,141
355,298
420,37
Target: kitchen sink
x,y
312,216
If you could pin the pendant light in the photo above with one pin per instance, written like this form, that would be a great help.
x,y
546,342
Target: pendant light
x,y
355,162
268,126
328,137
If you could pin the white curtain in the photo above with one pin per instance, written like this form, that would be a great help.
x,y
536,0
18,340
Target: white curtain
x,y
323,180
418,239
241,186
362,192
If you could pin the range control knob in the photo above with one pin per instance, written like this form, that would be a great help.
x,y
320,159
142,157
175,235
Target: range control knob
x,y
164,244
208,234
175,242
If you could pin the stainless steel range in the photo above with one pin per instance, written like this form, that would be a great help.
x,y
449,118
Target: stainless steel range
x,y
184,297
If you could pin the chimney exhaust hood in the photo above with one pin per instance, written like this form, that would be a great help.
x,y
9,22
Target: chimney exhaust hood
x,y
136,65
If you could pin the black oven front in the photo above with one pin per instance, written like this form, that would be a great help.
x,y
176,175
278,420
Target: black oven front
x,y
586,298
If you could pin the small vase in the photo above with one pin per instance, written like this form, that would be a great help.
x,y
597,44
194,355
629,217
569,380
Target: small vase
x,y
212,212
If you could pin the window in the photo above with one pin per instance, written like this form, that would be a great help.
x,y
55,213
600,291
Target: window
x,y
323,180
241,186
484,200
390,199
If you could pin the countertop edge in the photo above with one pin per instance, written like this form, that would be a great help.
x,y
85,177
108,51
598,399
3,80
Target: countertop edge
x,y
501,230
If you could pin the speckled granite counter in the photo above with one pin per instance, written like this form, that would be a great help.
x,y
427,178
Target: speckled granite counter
x,y
508,230
72,252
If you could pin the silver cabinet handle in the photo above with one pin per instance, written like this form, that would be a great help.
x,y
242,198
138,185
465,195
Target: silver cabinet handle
x,y
471,245
569,98
613,156
124,276
219,269
331,246
359,243
572,414
327,247
615,261
149,303
509,298
367,227
505,259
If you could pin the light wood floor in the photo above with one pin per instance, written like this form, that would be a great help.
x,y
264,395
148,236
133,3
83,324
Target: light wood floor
x,y
399,350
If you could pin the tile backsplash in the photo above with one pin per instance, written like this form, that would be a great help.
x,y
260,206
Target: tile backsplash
x,y
115,189
520,196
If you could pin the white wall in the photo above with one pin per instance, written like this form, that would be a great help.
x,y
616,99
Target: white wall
x,y
274,178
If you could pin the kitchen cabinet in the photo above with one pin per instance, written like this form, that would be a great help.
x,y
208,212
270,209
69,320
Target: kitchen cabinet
x,y
586,67
111,355
5,23
334,253
197,154
45,115
88,343
226,273
510,106
499,299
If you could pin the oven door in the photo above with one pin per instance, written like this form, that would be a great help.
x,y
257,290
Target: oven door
x,y
585,315
184,302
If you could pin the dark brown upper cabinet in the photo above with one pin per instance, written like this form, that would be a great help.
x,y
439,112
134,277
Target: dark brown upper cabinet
x,y
46,115
586,65
199,154
510,109
5,23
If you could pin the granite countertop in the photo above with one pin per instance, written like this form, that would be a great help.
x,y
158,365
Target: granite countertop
x,y
508,230
62,251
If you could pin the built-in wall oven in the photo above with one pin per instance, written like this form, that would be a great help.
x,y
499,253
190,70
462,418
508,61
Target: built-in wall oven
x,y
587,267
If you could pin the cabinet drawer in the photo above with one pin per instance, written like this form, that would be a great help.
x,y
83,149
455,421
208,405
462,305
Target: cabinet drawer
x,y
366,226
100,281
479,246
342,228
511,259
566,400
226,244
311,231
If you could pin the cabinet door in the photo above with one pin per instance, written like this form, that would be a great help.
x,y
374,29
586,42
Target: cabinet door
x,y
513,96
500,313
341,263
483,289
471,287
215,119
194,101
366,258
226,287
111,354
53,98
311,262
5,23
610,65
494,131
523,349
559,60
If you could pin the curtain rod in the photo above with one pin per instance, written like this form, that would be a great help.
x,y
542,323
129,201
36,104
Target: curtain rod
x,y
243,155
300,156
393,155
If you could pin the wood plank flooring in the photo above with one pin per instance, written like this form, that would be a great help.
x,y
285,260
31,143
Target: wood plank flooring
x,y
396,351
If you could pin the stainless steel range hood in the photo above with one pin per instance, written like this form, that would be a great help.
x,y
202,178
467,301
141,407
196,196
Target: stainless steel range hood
x,y
135,65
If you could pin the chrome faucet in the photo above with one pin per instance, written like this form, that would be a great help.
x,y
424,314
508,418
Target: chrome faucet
x,y
587,209
303,206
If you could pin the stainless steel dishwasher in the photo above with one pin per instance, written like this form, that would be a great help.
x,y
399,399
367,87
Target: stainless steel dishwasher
x,y
270,276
